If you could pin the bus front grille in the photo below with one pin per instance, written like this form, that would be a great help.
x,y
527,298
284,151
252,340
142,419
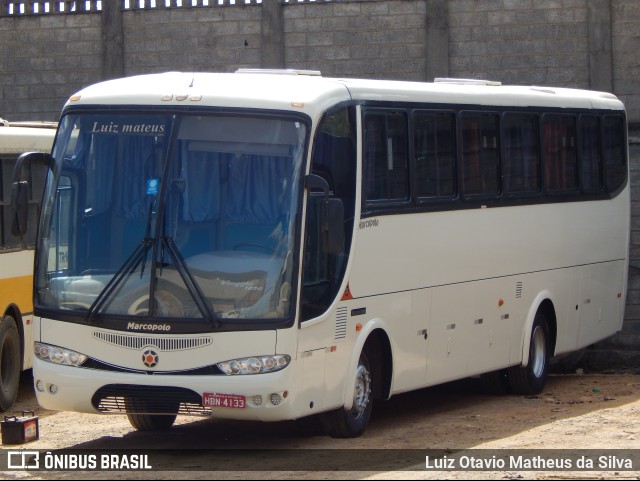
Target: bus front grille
x,y
163,343
130,399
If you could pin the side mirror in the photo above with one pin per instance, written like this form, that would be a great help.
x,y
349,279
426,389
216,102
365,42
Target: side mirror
x,y
20,189
331,215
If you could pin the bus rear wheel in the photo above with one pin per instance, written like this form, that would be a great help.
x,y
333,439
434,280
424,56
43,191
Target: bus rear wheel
x,y
351,423
10,365
532,378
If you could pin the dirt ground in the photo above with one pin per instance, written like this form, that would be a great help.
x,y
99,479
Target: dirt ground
x,y
593,411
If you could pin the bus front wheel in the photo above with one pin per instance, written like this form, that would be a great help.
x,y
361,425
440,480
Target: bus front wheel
x,y
351,423
532,378
10,364
151,422
143,421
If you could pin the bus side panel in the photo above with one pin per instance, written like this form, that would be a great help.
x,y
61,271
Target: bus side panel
x,y
471,326
405,316
587,302
601,301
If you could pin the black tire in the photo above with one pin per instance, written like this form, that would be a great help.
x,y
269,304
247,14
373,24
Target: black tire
x,y
142,421
151,422
352,423
10,362
531,380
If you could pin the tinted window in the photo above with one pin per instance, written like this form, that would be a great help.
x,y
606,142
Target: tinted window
x,y
614,151
434,144
559,148
480,159
590,154
385,156
521,149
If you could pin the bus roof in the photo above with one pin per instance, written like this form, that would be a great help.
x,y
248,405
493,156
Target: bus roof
x,y
19,137
309,92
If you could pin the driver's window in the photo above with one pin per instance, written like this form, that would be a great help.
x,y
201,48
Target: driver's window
x,y
334,159
61,227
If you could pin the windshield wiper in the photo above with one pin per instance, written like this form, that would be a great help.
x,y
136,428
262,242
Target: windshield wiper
x,y
130,266
137,257
192,286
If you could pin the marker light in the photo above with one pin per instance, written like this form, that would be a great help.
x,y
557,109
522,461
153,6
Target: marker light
x,y
58,355
255,365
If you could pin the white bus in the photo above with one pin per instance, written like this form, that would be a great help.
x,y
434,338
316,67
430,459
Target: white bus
x,y
272,245
16,254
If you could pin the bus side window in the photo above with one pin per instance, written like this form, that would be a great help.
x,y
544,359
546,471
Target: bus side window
x,y
480,154
614,152
434,141
8,240
521,149
590,154
385,156
560,154
60,231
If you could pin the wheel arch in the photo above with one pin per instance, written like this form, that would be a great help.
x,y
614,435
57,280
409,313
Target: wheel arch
x,y
378,347
375,339
543,303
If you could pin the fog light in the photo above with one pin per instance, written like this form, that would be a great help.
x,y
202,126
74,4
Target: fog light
x,y
53,389
257,400
276,399
39,385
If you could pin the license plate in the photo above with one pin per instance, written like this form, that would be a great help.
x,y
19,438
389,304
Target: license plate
x,y
232,401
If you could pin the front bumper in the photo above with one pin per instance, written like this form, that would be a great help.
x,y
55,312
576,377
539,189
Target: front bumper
x,y
65,388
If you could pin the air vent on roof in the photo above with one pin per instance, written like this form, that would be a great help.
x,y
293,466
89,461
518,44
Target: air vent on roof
x,y
314,73
467,81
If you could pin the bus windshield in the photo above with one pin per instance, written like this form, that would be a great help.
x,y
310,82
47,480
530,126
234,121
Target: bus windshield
x,y
172,216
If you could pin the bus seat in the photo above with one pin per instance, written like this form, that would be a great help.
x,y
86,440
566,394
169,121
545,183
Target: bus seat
x,y
197,241
263,238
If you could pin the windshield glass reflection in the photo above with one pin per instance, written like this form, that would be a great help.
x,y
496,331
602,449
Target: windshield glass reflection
x,y
175,217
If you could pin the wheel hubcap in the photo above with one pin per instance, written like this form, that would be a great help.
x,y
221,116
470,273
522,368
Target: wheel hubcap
x,y
539,347
362,394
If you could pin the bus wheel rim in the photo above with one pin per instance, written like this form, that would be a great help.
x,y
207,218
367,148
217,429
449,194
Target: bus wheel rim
x,y
539,347
362,394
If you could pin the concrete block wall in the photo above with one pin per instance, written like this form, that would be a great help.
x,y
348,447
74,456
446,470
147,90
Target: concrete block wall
x,y
215,39
43,60
520,41
625,17
380,39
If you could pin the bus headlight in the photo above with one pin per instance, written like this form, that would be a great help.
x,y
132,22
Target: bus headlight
x,y
58,355
254,365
